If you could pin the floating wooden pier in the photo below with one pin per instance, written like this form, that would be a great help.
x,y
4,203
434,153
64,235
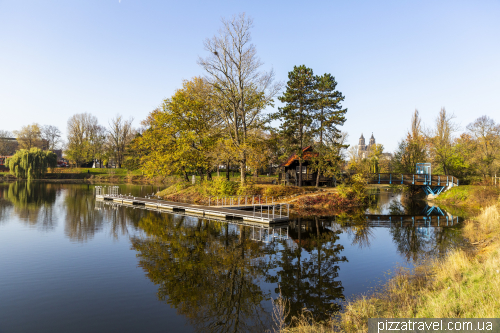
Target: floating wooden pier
x,y
254,213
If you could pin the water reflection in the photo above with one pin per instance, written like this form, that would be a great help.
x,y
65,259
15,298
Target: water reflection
x,y
309,270
221,275
33,202
209,271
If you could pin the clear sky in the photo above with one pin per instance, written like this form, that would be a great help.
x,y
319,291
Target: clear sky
x,y
107,57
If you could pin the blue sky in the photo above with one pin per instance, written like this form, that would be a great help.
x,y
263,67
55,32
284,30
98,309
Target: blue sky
x,y
107,57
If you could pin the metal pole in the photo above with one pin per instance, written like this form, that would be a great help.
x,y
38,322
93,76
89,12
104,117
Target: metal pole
x,y
280,211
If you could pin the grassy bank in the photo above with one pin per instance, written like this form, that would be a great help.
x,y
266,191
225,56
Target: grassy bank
x,y
464,284
90,175
220,187
469,196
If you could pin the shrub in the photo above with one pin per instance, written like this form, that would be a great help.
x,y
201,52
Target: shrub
x,y
280,191
249,189
220,186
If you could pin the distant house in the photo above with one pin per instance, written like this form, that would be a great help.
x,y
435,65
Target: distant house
x,y
289,171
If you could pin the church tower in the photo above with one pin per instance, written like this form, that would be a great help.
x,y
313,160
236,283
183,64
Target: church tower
x,y
362,142
372,141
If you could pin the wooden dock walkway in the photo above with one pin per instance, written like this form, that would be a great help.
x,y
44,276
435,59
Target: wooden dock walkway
x,y
274,213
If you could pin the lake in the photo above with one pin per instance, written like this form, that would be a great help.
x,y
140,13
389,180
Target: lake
x,y
71,264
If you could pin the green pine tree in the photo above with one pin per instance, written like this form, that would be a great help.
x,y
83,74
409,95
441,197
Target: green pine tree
x,y
296,115
328,116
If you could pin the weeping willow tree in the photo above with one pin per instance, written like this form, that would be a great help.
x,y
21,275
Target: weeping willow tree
x,y
31,164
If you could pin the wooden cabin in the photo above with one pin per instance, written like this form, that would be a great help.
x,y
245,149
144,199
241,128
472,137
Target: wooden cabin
x,y
289,171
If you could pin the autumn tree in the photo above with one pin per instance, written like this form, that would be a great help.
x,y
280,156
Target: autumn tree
x,y
181,136
440,141
120,133
29,136
84,136
241,90
331,156
412,149
486,135
52,136
260,151
133,153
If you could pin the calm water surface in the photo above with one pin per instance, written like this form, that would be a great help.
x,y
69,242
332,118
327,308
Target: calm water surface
x,y
69,263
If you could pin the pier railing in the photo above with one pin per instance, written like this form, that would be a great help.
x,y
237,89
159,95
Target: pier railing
x,y
413,179
242,200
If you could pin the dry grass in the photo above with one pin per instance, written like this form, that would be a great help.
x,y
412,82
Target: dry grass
x,y
462,285
471,196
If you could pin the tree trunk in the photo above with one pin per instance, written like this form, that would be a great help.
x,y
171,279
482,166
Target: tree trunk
x,y
300,173
209,174
317,177
227,170
200,173
186,176
243,166
218,170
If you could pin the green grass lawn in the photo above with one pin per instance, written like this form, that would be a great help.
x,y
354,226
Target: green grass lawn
x,y
96,171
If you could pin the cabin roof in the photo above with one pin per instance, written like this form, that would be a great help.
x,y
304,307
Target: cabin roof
x,y
307,154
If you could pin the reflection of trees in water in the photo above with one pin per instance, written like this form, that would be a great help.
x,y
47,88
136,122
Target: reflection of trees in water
x,y
82,219
85,216
309,268
207,270
5,208
33,202
354,223
419,243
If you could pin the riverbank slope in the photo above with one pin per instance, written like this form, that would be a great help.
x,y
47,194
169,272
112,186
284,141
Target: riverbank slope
x,y
463,284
